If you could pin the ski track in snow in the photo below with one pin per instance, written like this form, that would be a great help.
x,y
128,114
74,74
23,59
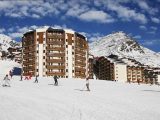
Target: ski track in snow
x,y
26,100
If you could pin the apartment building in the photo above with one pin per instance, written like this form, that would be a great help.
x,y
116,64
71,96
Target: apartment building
x,y
103,69
15,53
48,52
151,74
135,73
135,70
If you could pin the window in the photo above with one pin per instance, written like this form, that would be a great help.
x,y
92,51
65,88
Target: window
x,y
43,51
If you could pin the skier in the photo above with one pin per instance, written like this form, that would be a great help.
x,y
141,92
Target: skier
x,y
87,84
10,73
26,78
129,81
30,76
36,79
21,78
55,80
138,81
6,81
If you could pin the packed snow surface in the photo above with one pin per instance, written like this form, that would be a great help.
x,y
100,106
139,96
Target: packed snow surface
x,y
26,100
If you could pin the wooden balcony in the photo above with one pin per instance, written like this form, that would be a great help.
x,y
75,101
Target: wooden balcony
x,y
55,73
80,69
77,57
55,67
29,56
55,42
55,48
81,75
55,60
26,63
31,68
55,36
32,50
79,63
55,54
80,52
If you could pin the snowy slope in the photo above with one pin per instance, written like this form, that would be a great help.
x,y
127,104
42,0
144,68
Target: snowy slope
x,y
122,45
7,42
26,100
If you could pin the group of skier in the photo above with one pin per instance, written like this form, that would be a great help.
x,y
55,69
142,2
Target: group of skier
x,y
56,81
6,80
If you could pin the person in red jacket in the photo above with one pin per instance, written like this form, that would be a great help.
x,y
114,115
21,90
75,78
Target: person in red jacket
x,y
30,76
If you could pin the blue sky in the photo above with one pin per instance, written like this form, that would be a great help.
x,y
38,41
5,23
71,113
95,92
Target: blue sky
x,y
94,18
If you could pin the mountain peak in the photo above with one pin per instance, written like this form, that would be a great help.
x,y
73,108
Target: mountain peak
x,y
6,42
122,45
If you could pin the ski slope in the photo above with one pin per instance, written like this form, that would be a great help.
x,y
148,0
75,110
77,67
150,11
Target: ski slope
x,y
107,100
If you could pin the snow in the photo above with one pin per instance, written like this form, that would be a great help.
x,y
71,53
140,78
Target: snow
x,y
7,42
26,100
122,45
6,66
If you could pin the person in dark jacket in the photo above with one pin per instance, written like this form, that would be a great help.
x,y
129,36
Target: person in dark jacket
x,y
36,79
87,84
55,80
11,74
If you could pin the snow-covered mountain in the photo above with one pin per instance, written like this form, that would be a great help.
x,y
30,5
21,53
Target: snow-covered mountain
x,y
121,44
7,65
6,42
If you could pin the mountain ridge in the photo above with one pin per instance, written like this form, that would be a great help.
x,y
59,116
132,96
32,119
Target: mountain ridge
x,y
121,44
7,42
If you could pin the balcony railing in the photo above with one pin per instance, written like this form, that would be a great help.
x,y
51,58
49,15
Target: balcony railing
x,y
55,73
55,60
56,42
56,54
77,57
55,48
55,67
55,36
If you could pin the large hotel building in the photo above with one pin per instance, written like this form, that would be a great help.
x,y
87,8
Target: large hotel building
x,y
49,52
